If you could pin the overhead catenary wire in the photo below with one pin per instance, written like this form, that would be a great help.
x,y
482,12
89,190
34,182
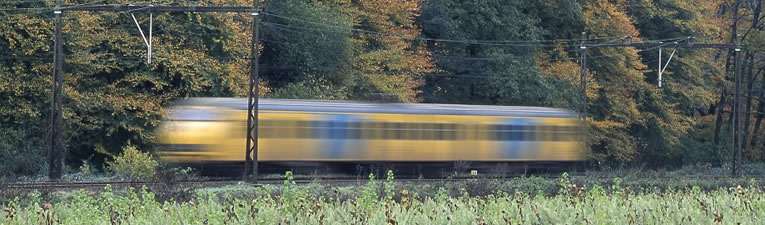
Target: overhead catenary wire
x,y
46,10
503,57
462,41
512,43
483,76
347,30
10,2
287,27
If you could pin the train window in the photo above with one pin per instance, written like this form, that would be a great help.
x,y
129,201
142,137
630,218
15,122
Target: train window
x,y
402,130
501,132
336,129
353,130
570,133
280,128
416,131
549,131
376,130
320,129
485,132
264,129
366,130
382,130
303,129
267,128
555,133
451,132
413,131
516,132
541,133
439,131
394,130
559,133
494,132
427,131
460,132
379,130
475,133
531,133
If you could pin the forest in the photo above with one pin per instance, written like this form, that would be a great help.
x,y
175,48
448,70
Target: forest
x,y
482,52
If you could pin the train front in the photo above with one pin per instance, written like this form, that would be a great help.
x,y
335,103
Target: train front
x,y
194,135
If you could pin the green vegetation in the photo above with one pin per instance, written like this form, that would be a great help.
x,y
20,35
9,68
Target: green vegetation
x,y
133,164
436,51
389,202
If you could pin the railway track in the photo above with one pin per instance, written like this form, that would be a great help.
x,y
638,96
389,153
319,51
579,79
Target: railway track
x,y
198,183
327,180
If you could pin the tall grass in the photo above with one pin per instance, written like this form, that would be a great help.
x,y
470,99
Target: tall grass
x,y
375,204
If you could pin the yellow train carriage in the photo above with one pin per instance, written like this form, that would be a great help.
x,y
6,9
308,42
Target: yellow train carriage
x,y
214,129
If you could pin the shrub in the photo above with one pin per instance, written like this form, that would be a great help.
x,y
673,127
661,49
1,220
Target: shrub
x,y
22,152
133,164
86,169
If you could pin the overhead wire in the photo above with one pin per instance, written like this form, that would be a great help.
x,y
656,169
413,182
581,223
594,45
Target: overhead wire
x,y
45,10
348,30
513,43
517,43
25,1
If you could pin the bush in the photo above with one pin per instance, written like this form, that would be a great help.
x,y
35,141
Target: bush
x,y
133,164
310,89
22,152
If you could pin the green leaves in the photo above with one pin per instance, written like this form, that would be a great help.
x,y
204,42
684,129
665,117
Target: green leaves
x,y
484,73
133,164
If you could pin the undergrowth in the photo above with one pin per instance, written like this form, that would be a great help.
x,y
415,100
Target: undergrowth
x,y
567,201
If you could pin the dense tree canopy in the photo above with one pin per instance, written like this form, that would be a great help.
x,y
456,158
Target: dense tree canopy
x,y
442,51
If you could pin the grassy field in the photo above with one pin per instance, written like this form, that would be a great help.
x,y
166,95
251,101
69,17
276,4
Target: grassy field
x,y
390,202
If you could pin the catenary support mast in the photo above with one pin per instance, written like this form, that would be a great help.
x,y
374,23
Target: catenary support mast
x,y
56,148
251,157
56,153
736,109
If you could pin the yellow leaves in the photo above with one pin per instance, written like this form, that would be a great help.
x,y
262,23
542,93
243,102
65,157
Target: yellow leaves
x,y
606,124
605,19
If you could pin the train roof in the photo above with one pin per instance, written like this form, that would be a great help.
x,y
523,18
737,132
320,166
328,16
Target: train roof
x,y
366,107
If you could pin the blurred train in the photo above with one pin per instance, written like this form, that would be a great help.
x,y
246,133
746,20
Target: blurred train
x,y
206,131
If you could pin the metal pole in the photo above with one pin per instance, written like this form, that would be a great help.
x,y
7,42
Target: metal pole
x,y
251,157
55,160
659,67
151,25
737,111
583,75
583,84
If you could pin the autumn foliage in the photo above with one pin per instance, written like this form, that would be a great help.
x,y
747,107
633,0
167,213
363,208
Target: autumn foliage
x,y
438,51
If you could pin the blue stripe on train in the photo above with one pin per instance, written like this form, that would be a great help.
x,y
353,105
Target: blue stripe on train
x,y
334,143
517,149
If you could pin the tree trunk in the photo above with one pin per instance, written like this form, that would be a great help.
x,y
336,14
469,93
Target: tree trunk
x,y
751,76
760,115
747,112
720,108
721,105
